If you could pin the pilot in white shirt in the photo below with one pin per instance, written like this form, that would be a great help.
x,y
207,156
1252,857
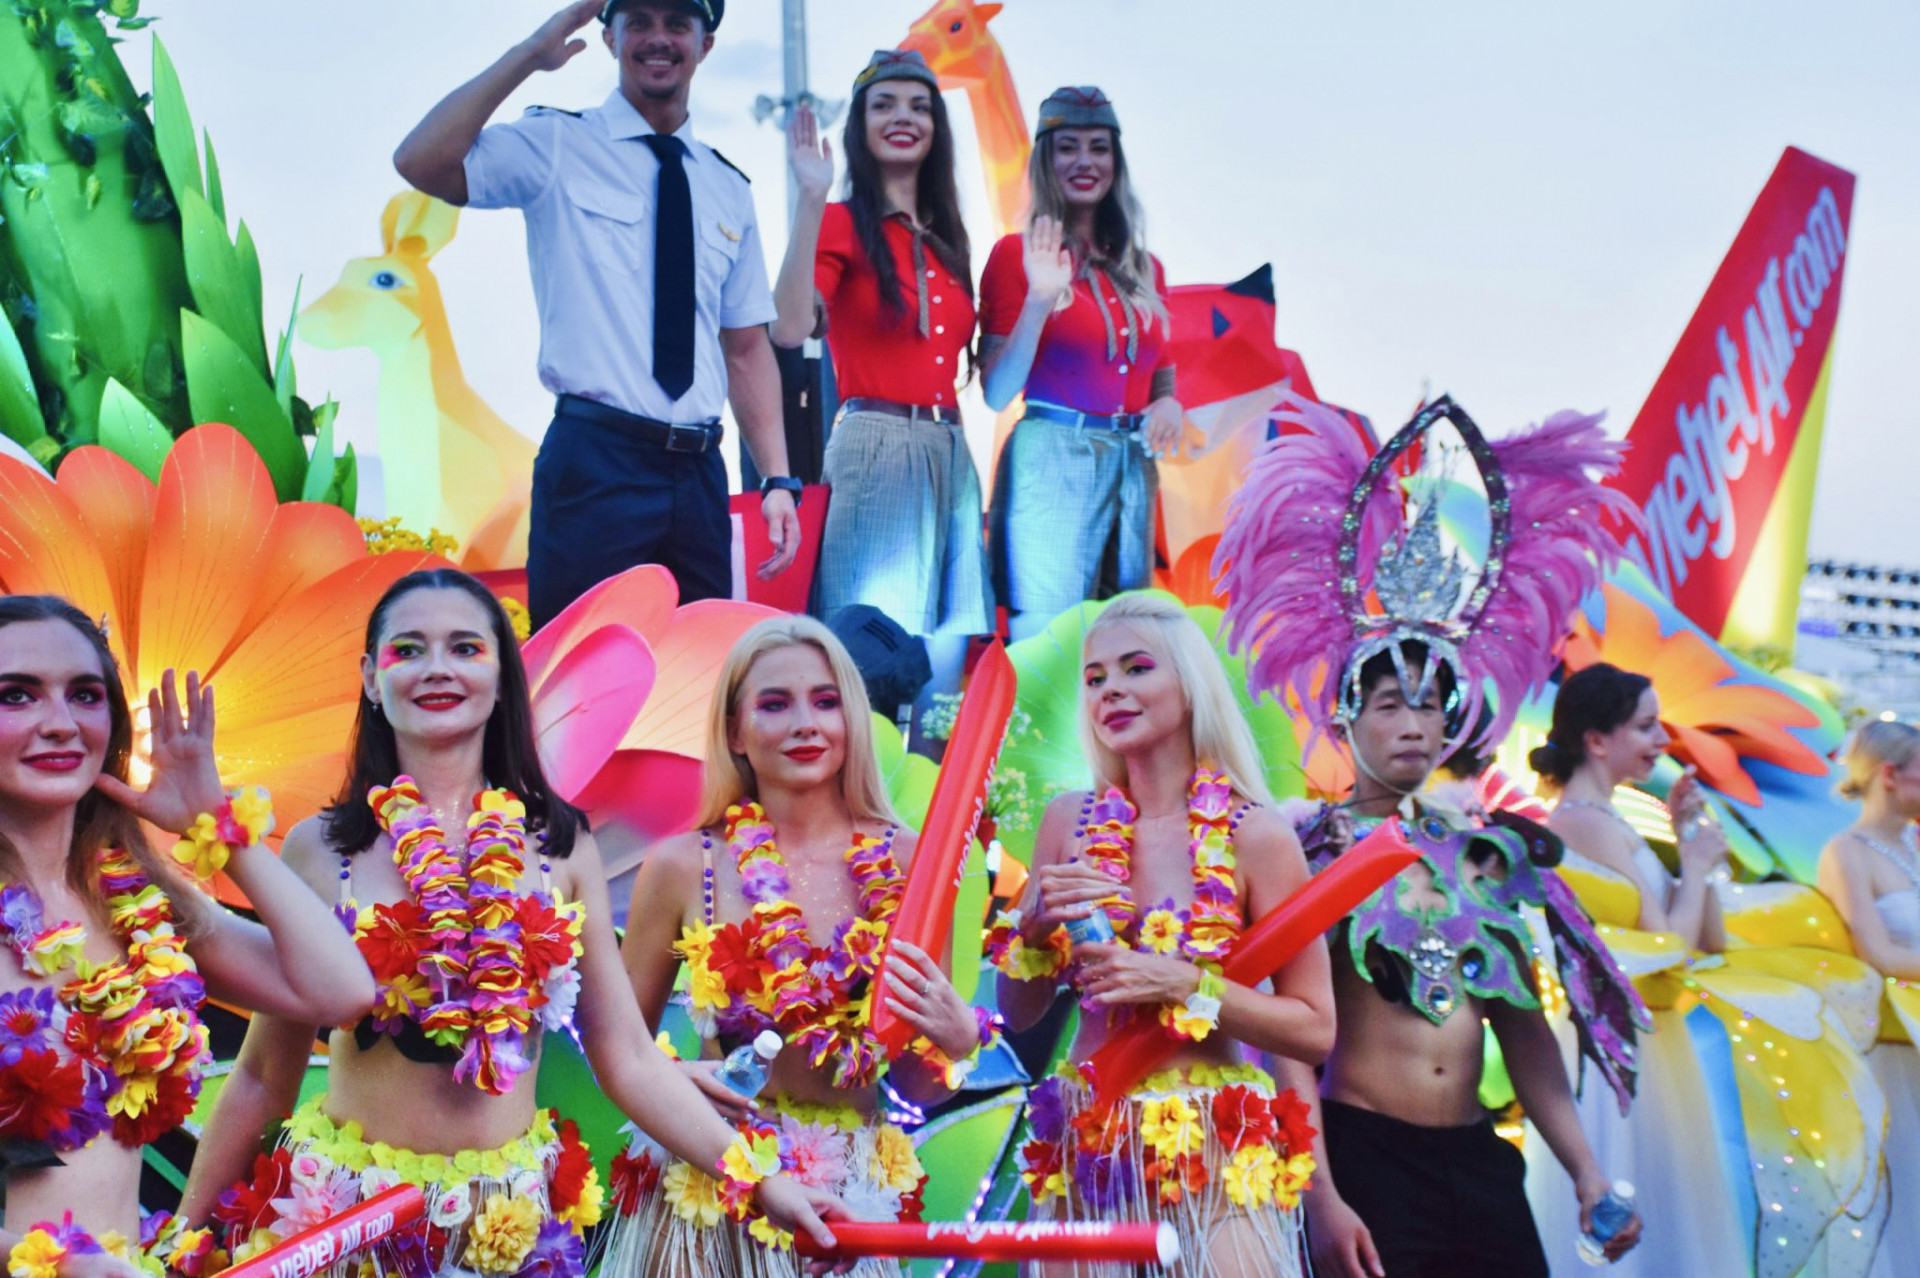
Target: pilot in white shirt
x,y
641,345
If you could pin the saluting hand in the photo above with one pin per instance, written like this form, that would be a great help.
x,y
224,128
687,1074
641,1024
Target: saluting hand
x,y
809,154
554,44
186,778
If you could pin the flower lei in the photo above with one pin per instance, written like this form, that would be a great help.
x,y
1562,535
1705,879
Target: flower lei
x,y
1185,1128
165,1246
465,957
819,997
1203,933
120,1046
243,818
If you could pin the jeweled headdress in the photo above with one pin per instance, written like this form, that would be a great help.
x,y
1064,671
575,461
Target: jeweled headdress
x,y
1327,561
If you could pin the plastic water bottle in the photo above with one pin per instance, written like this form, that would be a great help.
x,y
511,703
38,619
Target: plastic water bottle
x,y
1610,1216
1095,929
746,1068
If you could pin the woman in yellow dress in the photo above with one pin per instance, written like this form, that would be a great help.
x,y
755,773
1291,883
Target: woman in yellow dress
x,y
1789,1015
1872,874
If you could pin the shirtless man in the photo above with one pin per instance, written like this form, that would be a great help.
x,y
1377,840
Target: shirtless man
x,y
1412,1181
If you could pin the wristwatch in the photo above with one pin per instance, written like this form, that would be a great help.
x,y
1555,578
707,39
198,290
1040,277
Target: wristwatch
x,y
782,484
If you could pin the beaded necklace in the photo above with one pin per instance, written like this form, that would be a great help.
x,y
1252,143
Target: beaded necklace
x,y
820,997
1902,858
120,1046
465,957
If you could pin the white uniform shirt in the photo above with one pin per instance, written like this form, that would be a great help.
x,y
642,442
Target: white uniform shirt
x,y
586,184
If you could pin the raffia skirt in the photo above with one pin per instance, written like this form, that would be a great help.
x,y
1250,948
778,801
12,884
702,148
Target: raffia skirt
x,y
668,1222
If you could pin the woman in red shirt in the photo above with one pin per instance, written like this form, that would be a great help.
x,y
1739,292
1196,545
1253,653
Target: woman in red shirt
x,y
1073,314
890,265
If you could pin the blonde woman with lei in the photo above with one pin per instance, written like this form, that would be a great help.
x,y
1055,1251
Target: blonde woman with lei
x,y
778,904
480,941
1872,874
101,1045
1181,853
1790,1014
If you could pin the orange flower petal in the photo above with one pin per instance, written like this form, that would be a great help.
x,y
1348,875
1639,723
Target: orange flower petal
x,y
46,547
117,502
308,541
204,556
688,654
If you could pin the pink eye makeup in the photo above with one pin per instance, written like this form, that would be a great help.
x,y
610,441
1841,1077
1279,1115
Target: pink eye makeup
x,y
392,654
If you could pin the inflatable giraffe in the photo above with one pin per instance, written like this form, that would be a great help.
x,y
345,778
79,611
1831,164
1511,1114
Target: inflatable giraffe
x,y
953,37
448,461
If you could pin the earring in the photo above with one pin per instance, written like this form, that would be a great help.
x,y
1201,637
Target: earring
x,y
376,708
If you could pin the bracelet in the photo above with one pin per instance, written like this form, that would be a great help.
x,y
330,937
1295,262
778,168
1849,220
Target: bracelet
x,y
1011,954
1199,1016
243,818
38,1254
954,1073
753,1156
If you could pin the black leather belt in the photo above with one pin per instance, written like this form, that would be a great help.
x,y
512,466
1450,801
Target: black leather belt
x,y
912,412
1125,423
674,437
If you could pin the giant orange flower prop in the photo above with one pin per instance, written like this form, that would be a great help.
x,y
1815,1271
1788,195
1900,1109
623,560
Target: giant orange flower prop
x,y
1715,723
206,571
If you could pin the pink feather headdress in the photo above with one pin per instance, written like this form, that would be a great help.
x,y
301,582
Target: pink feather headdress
x,y
1324,569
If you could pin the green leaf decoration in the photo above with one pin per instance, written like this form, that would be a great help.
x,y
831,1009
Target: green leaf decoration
x,y
345,492
223,385
173,127
130,429
216,196
20,418
249,258
909,777
320,466
284,385
217,277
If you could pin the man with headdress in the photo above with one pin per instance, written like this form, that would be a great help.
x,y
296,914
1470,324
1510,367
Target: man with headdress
x,y
1348,594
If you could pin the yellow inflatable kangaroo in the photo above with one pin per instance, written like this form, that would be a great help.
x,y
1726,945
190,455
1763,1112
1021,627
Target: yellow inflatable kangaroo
x,y
448,461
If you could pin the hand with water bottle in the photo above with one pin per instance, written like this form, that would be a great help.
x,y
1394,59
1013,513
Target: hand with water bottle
x,y
1609,1224
1067,895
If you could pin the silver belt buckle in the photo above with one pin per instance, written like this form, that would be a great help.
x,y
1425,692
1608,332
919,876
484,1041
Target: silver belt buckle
x,y
683,437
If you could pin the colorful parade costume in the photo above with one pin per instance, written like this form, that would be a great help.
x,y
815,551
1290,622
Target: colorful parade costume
x,y
117,1050
1336,554
1213,1149
469,970
1806,1110
769,973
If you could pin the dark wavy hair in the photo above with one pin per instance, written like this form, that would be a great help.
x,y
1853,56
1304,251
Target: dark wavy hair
x,y
1598,698
99,822
938,194
510,757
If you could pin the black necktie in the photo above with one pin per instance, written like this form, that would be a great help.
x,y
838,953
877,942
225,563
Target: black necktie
x,y
672,268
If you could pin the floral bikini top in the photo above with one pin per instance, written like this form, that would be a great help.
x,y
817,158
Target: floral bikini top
x,y
768,973
119,1047
466,967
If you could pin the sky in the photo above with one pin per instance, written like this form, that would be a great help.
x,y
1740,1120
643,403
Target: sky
x,y
1516,203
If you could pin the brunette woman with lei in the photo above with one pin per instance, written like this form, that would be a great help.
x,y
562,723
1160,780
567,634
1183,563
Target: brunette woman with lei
x,y
891,268
778,904
1871,872
1803,1006
1181,852
101,1045
479,942
1073,315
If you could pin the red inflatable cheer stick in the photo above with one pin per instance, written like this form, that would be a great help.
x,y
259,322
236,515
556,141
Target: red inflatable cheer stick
x,y
355,1229
1000,1241
925,917
1263,949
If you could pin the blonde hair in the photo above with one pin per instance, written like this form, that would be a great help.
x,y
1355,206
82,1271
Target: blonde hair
x,y
1119,225
1874,746
1216,729
728,777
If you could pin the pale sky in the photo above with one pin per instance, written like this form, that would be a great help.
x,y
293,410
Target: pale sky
x,y
1517,203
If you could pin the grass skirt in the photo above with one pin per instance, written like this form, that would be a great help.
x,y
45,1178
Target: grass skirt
x,y
519,1209
668,1222
1210,1150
